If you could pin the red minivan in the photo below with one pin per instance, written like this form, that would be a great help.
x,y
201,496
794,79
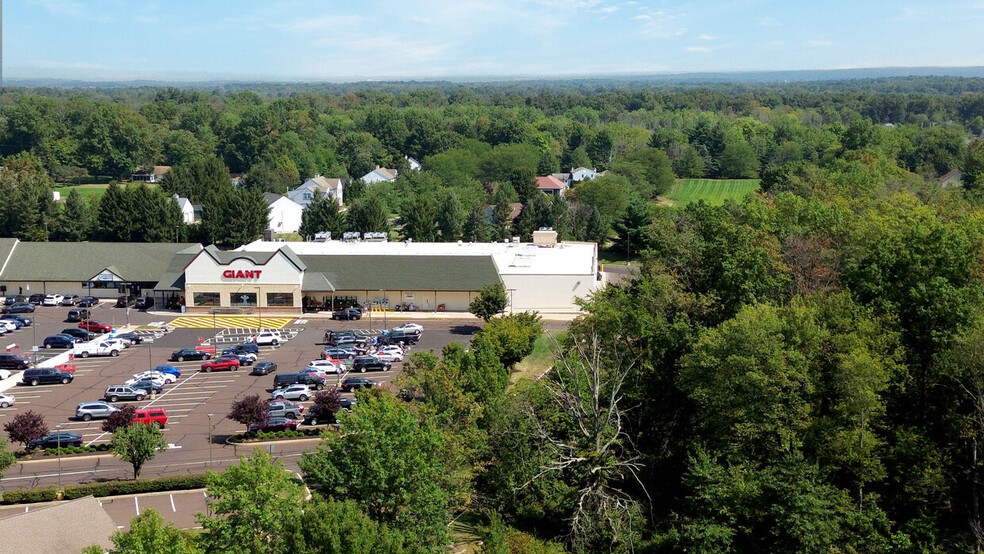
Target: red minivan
x,y
151,416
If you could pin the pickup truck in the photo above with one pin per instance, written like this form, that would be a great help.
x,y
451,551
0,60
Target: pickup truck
x,y
94,348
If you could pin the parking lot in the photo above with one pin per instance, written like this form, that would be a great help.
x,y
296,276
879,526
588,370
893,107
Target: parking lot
x,y
189,400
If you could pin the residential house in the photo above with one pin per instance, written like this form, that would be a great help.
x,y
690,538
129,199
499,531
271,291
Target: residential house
x,y
584,174
316,185
551,185
187,209
380,175
285,214
515,209
565,177
952,178
155,175
414,164
236,179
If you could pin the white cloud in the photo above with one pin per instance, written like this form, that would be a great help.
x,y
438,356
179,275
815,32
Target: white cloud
x,y
71,8
318,24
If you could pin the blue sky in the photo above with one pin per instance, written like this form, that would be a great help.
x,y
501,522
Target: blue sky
x,y
423,39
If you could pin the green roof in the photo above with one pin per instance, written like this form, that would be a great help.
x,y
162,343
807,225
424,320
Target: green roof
x,y
80,261
174,277
444,273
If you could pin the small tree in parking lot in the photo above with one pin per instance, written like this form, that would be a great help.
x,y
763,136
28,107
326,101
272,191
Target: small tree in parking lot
x,y
326,404
120,418
138,444
25,427
250,410
490,302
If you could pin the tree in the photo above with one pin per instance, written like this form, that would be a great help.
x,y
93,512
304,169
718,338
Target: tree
x,y
249,410
326,404
394,463
115,215
490,302
973,167
419,219
138,444
124,417
25,427
475,229
341,526
511,337
7,459
76,221
450,216
150,534
631,229
256,507
368,215
321,215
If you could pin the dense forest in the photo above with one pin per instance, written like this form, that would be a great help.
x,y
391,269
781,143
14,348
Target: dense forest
x,y
798,371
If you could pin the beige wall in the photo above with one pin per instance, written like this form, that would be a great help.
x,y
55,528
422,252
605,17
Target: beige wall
x,y
226,292
425,301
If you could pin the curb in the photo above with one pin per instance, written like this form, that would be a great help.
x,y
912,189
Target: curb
x,y
275,441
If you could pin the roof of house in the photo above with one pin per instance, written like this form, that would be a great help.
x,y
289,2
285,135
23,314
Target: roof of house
x,y
161,169
384,172
271,197
389,272
952,174
173,278
549,182
325,184
515,208
80,523
80,261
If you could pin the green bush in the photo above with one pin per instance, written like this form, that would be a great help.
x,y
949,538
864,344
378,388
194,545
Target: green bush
x,y
111,488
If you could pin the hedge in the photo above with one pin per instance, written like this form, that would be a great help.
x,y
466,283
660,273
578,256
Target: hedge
x,y
110,488
65,450
276,435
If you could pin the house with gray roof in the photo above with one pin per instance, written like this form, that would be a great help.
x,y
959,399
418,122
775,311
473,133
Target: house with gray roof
x,y
318,185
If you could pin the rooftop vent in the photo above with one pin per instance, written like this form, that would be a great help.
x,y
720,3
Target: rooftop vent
x,y
351,236
323,236
545,237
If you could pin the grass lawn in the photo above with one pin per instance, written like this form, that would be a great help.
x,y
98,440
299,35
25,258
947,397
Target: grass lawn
x,y
541,359
712,191
90,192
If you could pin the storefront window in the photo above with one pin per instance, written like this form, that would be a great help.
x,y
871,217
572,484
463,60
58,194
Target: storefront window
x,y
243,299
206,299
280,299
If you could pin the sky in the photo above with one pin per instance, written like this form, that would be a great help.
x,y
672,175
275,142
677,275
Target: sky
x,y
331,40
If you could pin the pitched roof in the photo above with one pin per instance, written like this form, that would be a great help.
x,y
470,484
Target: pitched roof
x,y
226,257
80,523
173,278
79,261
549,182
161,169
324,184
271,197
394,272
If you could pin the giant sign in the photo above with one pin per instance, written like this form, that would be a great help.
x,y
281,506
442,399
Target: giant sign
x,y
242,273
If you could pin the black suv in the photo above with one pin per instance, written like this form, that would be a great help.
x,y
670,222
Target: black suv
x,y
88,301
399,337
125,302
47,375
364,363
36,299
79,333
287,379
13,361
352,383
347,313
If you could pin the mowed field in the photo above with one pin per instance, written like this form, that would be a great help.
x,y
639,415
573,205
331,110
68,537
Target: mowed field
x,y
712,191
89,192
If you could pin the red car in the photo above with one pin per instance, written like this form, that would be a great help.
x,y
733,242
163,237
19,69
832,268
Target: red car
x,y
95,326
223,363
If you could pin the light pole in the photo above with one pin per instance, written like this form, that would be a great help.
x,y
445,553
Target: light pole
x,y
209,441
58,439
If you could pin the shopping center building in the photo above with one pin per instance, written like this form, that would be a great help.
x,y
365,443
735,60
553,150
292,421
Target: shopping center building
x,y
547,276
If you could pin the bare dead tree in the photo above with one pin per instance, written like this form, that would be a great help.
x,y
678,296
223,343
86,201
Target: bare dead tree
x,y
587,383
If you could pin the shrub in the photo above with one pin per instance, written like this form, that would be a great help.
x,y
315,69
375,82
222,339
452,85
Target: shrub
x,y
122,418
26,427
112,488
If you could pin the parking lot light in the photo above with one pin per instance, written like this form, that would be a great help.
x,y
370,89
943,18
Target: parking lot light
x,y
210,441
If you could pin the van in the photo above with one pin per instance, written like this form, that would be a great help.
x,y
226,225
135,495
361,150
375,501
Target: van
x,y
287,379
151,416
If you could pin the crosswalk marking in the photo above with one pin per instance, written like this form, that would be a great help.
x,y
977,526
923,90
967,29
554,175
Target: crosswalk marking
x,y
250,322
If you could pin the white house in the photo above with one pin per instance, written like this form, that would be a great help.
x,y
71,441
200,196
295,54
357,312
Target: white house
x,y
154,175
187,210
316,185
414,164
285,214
583,174
379,175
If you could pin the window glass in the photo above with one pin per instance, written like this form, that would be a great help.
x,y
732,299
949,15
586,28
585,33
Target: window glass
x,y
280,299
206,299
243,298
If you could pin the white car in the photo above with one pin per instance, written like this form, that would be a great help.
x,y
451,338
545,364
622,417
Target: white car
x,y
6,400
293,392
271,338
325,366
410,327
394,348
387,356
8,325
155,380
4,374
52,300
156,376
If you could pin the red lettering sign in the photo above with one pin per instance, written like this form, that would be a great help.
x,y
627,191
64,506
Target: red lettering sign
x,y
242,274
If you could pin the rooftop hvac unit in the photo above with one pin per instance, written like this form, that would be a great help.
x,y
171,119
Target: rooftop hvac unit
x,y
376,236
323,236
351,236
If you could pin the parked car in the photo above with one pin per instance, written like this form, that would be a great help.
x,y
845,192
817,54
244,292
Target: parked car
x,y
79,333
285,408
155,386
189,354
398,337
286,379
387,356
22,319
78,314
56,440
314,418
6,400
163,378
52,300
224,363
351,383
96,409
347,314
151,416
246,347
369,363
88,301
245,358
324,366
60,341
19,308
96,326
263,368
132,338
125,302
145,303
271,425
333,353
36,299
116,393
71,300
13,361
271,338
168,370
46,375
6,325
102,348
293,392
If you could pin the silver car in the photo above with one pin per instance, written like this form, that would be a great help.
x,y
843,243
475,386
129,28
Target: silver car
x,y
293,392
97,409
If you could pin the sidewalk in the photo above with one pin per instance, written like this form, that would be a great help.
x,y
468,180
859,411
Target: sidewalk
x,y
391,315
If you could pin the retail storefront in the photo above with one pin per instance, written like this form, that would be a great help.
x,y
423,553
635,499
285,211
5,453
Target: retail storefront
x,y
218,279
